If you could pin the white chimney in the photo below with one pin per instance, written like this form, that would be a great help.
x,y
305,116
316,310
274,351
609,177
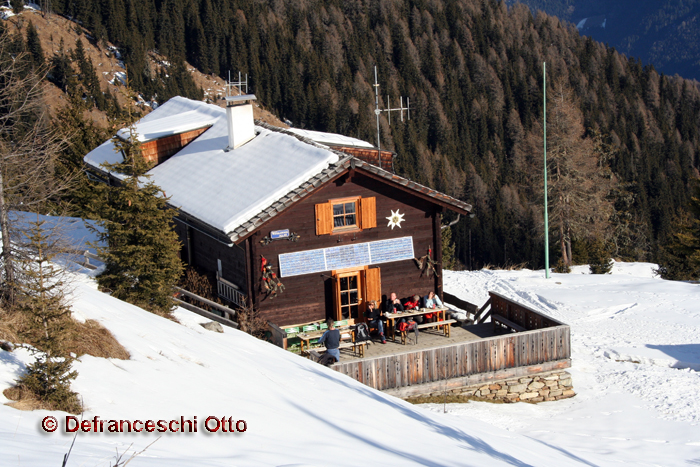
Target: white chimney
x,y
239,116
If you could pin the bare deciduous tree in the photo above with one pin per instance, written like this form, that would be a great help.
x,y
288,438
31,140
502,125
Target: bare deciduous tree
x,y
29,149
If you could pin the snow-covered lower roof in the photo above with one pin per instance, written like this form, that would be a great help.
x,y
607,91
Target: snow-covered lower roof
x,y
331,138
168,126
223,189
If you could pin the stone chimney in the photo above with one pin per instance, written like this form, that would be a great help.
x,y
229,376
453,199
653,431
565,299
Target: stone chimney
x,y
239,116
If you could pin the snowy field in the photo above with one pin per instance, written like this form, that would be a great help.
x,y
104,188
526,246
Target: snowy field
x,y
635,362
636,351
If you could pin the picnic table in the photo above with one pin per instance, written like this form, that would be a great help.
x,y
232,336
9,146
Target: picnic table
x,y
392,317
347,333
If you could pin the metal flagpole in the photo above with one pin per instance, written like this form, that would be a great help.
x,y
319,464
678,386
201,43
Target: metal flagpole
x,y
546,213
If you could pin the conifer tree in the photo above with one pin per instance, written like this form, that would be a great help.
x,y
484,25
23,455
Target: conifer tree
x,y
41,288
34,46
680,257
599,257
141,247
448,249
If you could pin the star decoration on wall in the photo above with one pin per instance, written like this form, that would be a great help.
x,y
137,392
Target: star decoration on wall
x,y
395,219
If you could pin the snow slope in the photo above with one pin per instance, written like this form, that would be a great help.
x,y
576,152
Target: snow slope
x,y
300,413
297,412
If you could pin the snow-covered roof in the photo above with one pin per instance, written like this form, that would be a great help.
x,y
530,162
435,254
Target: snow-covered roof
x,y
168,126
331,138
236,192
223,189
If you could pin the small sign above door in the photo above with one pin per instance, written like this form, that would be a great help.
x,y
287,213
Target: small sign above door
x,y
277,234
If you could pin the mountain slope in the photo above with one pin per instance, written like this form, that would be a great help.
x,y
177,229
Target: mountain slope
x,y
297,412
664,34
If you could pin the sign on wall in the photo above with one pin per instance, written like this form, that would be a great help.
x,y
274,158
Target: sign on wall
x,y
346,256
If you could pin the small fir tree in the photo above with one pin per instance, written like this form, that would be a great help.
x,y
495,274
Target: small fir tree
x,y
141,252
599,257
41,286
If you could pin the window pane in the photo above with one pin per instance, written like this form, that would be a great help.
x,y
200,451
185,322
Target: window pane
x,y
353,311
353,282
350,220
353,296
338,221
344,283
349,207
337,209
345,312
344,299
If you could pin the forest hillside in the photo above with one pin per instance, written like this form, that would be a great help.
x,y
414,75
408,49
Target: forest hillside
x,y
625,140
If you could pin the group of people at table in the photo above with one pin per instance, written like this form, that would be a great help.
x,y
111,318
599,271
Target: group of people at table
x,y
376,317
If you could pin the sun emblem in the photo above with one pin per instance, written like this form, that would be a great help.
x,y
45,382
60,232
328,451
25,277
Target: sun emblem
x,y
395,219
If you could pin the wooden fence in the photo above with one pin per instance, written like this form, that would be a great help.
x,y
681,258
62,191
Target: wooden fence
x,y
535,350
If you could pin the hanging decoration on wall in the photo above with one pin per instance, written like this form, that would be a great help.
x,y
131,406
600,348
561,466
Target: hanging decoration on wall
x,y
395,219
427,265
271,284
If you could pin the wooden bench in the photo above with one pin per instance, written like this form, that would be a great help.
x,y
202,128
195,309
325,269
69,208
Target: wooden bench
x,y
357,347
447,323
498,319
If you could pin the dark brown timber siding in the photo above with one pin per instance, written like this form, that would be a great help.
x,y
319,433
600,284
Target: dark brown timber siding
x,y
309,297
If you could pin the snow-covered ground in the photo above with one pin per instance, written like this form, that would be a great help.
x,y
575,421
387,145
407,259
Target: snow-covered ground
x,y
635,361
300,413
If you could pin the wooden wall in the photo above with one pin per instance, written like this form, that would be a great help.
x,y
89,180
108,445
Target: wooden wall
x,y
493,354
371,156
206,251
160,150
309,297
520,314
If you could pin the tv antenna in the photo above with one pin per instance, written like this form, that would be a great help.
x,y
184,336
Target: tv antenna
x,y
388,110
239,84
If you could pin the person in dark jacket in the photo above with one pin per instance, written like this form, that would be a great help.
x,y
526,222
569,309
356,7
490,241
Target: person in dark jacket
x,y
374,316
331,339
393,304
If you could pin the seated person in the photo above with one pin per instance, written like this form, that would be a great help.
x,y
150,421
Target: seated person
x,y
393,304
432,301
413,303
331,339
374,316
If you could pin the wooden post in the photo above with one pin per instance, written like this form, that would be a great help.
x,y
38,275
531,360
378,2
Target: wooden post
x,y
437,239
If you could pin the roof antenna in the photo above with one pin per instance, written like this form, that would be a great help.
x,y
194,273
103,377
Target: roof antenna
x,y
238,84
378,111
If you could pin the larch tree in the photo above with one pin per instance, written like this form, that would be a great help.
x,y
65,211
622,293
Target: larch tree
x,y
137,243
579,180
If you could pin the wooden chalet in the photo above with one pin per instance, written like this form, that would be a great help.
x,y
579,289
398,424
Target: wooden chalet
x,y
303,225
291,221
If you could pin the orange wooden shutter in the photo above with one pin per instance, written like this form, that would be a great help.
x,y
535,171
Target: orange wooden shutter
x,y
373,286
324,218
368,209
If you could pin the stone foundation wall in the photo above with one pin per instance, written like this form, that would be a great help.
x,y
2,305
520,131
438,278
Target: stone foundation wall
x,y
550,386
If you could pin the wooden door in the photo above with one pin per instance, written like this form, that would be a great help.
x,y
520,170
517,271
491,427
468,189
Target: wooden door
x,y
349,296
